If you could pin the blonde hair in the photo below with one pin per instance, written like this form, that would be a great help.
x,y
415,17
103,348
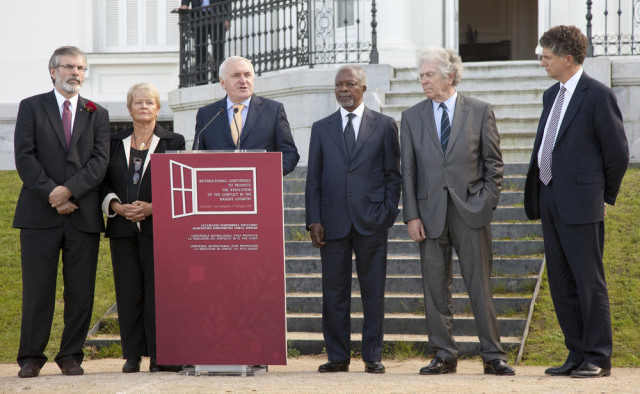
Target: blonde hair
x,y
145,87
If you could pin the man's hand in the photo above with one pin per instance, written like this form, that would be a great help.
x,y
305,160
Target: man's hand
x,y
59,195
184,7
66,208
317,235
416,230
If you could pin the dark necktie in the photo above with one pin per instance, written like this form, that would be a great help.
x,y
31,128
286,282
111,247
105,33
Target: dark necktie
x,y
349,136
66,122
445,127
550,139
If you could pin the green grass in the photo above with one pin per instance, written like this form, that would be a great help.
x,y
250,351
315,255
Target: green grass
x,y
545,344
11,284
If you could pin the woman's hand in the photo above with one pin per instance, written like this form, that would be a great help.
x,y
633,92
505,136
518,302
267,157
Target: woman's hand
x,y
135,212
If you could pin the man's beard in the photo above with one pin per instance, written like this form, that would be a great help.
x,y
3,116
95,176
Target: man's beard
x,y
346,101
71,88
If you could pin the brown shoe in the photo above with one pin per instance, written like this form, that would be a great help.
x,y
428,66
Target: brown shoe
x,y
30,369
71,368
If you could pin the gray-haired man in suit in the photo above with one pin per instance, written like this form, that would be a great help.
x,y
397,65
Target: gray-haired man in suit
x,y
452,176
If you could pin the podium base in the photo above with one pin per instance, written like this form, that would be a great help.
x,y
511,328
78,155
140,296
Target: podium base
x,y
225,370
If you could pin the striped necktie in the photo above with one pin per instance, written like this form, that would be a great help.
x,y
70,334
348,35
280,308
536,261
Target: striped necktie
x,y
445,128
550,139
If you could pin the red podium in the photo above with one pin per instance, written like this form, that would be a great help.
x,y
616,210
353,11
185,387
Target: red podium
x,y
219,258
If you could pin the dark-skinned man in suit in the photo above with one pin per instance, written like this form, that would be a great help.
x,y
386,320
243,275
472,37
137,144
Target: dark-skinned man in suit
x,y
352,194
579,158
61,152
245,121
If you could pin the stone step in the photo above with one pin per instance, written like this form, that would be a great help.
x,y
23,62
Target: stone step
x,y
313,343
514,168
312,283
296,200
401,89
509,182
495,69
410,265
502,231
399,102
407,247
404,324
501,214
406,303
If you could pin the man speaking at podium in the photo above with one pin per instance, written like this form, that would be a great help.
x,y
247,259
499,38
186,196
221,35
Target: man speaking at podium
x,y
251,122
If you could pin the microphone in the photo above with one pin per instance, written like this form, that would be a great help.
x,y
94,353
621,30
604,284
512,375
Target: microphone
x,y
235,111
197,144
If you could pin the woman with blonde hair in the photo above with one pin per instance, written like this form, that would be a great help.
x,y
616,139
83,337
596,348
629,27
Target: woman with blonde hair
x,y
128,206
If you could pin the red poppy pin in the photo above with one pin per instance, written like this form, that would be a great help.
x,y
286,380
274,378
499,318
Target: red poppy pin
x,y
90,107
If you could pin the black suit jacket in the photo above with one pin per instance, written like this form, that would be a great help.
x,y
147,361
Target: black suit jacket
x,y
590,155
266,127
43,162
363,191
115,183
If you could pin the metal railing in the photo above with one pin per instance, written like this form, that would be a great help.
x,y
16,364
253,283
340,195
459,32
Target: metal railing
x,y
275,35
617,24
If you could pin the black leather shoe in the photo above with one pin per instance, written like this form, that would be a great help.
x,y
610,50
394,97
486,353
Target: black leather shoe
x,y
30,369
334,366
563,370
132,365
374,367
588,370
71,368
438,366
498,367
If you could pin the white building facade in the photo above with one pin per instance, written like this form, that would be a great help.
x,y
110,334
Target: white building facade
x,y
130,41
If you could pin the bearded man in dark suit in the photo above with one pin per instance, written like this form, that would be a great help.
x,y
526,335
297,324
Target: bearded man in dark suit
x,y
579,158
61,153
352,193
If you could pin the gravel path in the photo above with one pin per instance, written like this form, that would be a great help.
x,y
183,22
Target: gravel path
x,y
300,376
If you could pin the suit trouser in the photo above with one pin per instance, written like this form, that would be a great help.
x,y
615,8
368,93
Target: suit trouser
x,y
473,247
371,266
133,274
40,250
578,287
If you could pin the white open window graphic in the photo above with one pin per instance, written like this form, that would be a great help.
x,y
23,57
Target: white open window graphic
x,y
212,191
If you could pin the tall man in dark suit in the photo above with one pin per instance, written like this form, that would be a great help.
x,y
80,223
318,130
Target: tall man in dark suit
x,y
452,176
352,193
62,152
246,121
579,158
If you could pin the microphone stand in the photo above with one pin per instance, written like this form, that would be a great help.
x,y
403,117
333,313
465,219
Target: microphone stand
x,y
197,144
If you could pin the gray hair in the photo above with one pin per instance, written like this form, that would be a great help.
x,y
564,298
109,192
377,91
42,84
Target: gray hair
x,y
54,60
357,70
449,62
222,71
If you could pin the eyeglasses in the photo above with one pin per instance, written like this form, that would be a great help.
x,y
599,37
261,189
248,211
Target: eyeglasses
x,y
72,67
429,76
137,164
